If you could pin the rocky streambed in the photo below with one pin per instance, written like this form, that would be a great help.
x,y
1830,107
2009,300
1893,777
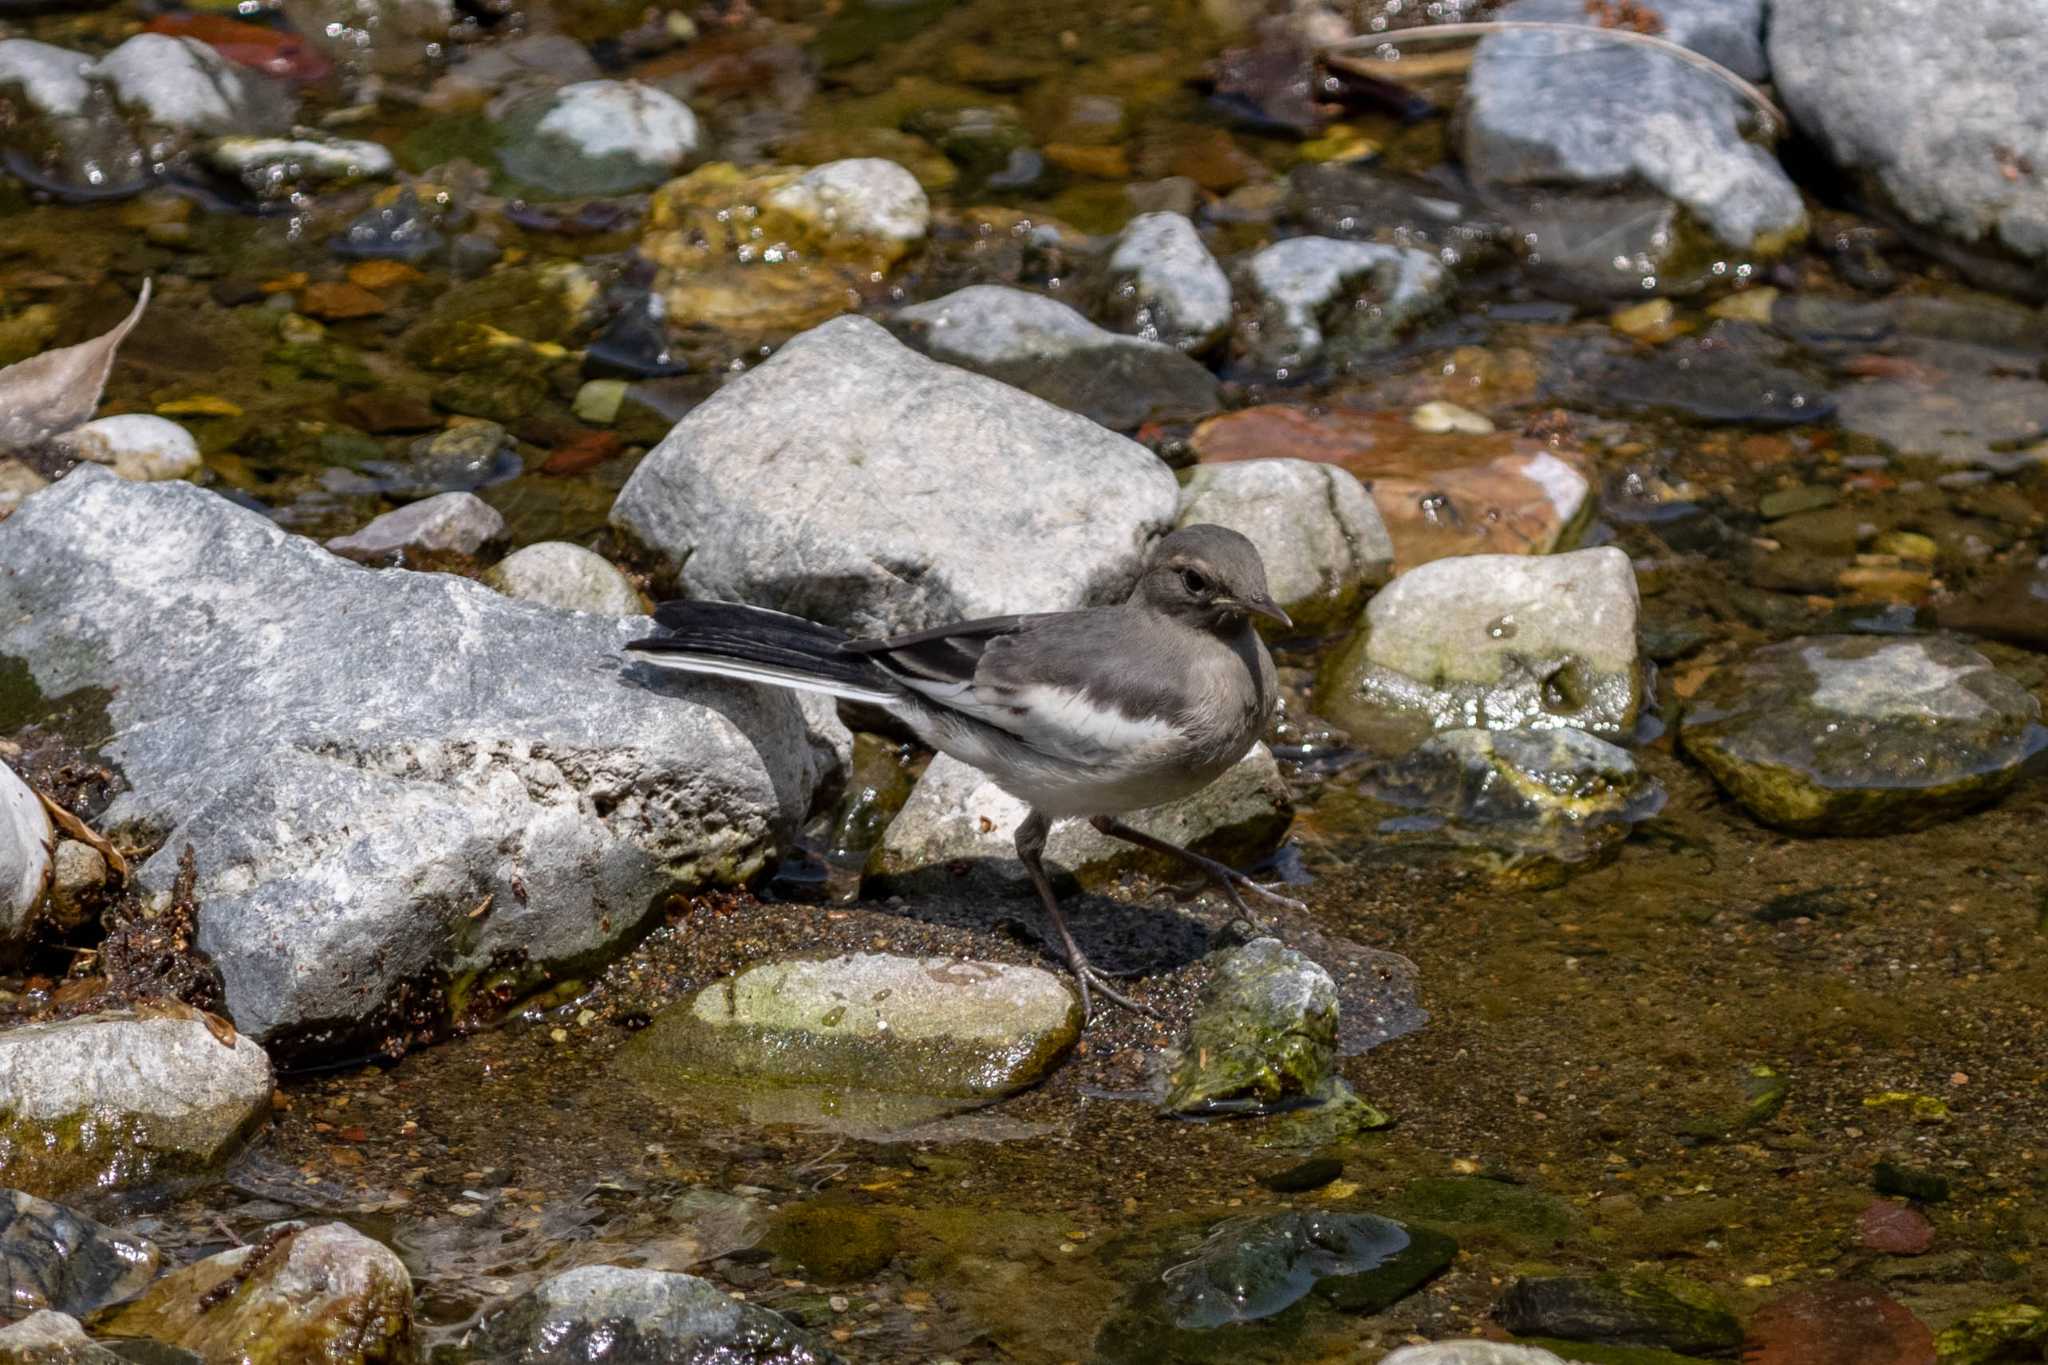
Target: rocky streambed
x,y
392,974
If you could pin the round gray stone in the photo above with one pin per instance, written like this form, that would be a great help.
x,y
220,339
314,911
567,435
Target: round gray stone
x,y
567,577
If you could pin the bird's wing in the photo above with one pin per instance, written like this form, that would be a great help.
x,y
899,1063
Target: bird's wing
x,y
1063,683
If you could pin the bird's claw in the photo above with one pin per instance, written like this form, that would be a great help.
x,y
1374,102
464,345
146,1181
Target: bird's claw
x,y
1086,976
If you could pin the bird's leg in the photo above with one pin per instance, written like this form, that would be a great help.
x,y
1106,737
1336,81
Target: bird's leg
x,y
1227,878
1031,849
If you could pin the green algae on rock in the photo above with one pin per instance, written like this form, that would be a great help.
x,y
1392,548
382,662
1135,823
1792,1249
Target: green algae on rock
x,y
833,1243
937,1027
1859,735
322,1293
1990,1334
1264,1035
115,1100
1475,1207
1621,1310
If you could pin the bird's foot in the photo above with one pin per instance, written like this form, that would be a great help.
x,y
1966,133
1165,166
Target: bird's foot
x,y
1229,879
1094,981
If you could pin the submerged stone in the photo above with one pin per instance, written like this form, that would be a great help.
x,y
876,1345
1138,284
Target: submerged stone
x,y
115,1100
1316,527
1252,1268
1264,1035
56,1258
1624,1310
298,1294
1043,347
1859,735
1321,300
1838,1324
1496,642
932,1026
611,1315
597,138
1477,1208
1165,285
1990,1334
832,1243
958,830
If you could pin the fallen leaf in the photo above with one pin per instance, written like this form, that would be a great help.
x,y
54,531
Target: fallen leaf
x,y
57,390
85,834
579,453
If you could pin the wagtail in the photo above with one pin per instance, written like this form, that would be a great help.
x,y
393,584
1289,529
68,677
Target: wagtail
x,y
1085,714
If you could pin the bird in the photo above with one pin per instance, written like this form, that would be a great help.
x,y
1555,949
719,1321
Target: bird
x,y
1087,714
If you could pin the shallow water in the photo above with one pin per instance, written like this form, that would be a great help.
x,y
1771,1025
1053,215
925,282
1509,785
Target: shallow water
x,y
1583,1042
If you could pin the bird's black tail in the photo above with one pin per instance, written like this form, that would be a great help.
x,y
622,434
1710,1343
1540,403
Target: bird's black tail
x,y
728,640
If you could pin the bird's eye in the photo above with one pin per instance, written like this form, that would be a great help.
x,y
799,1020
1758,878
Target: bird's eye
x,y
1193,581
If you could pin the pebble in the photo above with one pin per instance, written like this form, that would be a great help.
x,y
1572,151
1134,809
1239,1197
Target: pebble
x,y
1264,1035
1894,1229
455,523
1440,417
139,446
567,577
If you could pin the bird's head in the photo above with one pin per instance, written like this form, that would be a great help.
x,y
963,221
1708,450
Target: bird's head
x,y
1210,576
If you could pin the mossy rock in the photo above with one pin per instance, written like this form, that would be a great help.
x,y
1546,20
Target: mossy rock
x,y
1264,1035
833,1243
1621,1310
1476,1207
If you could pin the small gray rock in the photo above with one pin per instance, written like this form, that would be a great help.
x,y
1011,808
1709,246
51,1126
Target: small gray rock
x,y
1496,642
1315,525
872,1021
272,166
598,137
1473,1353
81,870
1962,404
643,1317
54,1258
180,85
1966,166
1550,117
1166,285
1855,734
120,1098
384,776
138,446
567,577
850,480
1307,291
959,826
1264,1035
1043,347
45,1337
28,846
861,197
456,523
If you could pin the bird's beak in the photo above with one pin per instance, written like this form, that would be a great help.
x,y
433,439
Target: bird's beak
x,y
1266,607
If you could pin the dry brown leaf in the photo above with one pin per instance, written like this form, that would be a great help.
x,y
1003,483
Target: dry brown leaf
x,y
76,828
57,390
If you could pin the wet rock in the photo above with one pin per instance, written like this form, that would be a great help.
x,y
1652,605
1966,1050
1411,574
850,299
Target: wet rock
x,y
1952,401
1961,171
1165,286
1028,508
1837,1324
1857,735
1308,1175
597,137
54,1258
958,831
470,455
1910,1182
113,1100
1532,803
642,1317
28,847
179,87
1990,1334
1621,1310
1549,116
863,197
276,167
1342,199
1893,1229
1253,1270
1496,642
388,797
2013,607
63,124
1043,347
1733,373
567,577
1473,1353
770,251
137,446
1315,525
49,1338
323,1292
1438,494
1264,1035
873,1022
401,230
1321,300
455,523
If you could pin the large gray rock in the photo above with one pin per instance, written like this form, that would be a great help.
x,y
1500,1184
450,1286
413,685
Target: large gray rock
x,y
959,829
1967,165
1315,525
851,480
117,1099
1854,734
1496,642
324,1293
643,1317
388,778
1165,283
54,1258
1043,347
1551,116
28,848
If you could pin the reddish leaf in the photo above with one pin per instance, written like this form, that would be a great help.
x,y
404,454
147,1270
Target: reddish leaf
x,y
579,453
268,50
